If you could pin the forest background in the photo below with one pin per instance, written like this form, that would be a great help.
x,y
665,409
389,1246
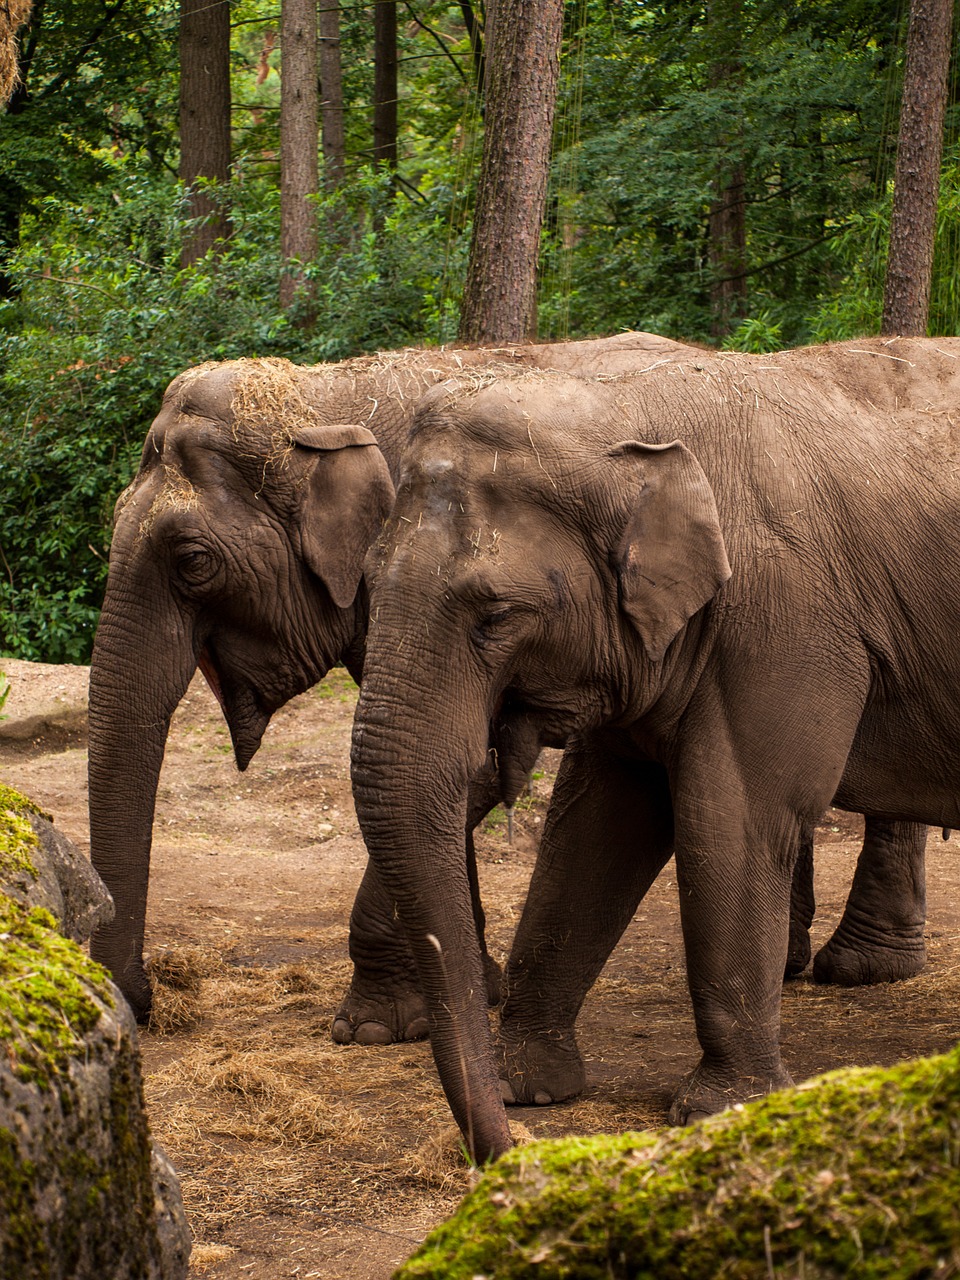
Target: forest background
x,y
662,107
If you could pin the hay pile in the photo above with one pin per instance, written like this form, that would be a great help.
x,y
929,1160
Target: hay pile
x,y
264,1113
13,14
855,1174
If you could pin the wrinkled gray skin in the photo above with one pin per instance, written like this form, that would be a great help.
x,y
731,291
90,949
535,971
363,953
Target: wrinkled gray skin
x,y
238,547
732,587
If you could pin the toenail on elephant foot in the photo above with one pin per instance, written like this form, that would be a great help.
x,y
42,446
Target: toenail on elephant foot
x,y
381,1019
704,1093
540,1070
863,965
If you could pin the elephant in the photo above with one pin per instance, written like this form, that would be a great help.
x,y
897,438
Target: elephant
x,y
730,587
261,473
238,547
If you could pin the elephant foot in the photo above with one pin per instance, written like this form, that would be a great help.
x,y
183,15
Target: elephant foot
x,y
849,965
380,1017
540,1069
798,952
393,1015
704,1092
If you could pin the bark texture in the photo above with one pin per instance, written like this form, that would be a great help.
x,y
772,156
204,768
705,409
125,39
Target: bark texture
x,y
299,170
204,114
522,71
385,83
727,223
331,89
916,190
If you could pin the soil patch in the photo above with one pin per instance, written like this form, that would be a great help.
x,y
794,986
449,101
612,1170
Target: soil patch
x,y
301,1158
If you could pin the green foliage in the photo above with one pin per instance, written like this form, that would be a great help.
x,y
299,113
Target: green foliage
x,y
758,333
4,693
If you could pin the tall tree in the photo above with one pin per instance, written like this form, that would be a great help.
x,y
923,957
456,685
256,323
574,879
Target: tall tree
x,y
299,170
916,184
204,115
331,89
727,223
522,70
385,85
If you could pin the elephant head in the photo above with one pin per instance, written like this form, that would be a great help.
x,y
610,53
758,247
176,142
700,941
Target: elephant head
x,y
528,587
237,548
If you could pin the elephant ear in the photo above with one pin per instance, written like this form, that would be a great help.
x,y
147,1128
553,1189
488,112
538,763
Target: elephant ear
x,y
345,495
671,558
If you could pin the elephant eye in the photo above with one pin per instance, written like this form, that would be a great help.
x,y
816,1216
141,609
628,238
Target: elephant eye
x,y
195,565
486,629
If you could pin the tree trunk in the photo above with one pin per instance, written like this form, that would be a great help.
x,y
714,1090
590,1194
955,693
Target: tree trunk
x,y
916,187
385,83
331,88
204,115
299,174
727,221
522,68
475,34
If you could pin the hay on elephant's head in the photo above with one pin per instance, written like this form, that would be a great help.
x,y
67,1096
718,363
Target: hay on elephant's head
x,y
13,14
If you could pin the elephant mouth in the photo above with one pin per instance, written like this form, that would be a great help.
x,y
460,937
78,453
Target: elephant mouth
x,y
517,732
246,715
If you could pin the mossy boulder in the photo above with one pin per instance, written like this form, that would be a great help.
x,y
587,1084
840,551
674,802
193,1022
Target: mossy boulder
x,y
854,1174
83,1190
39,867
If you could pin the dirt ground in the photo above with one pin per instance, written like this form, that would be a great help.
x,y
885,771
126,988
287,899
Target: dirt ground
x,y
300,1158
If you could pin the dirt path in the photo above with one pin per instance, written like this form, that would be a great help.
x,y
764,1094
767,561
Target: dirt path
x,y
303,1159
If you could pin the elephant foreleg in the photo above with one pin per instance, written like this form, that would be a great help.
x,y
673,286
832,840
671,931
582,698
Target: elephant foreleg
x,y
880,936
608,833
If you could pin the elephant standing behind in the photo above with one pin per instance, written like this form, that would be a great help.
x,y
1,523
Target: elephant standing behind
x,y
239,548
731,587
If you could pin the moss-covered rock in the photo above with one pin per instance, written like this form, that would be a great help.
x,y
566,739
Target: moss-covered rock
x,y
39,867
855,1174
83,1191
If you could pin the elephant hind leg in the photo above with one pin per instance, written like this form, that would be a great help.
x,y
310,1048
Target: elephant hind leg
x,y
880,937
802,907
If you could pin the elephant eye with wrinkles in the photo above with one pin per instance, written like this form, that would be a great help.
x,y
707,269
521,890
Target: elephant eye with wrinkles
x,y
195,565
486,628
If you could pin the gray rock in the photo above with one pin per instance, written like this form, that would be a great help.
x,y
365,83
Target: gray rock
x,y
85,903
85,1193
52,873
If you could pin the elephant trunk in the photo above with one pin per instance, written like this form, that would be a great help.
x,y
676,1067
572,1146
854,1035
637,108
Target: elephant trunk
x,y
137,678
412,807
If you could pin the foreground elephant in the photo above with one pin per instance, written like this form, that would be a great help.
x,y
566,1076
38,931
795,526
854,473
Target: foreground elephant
x,y
737,581
239,547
